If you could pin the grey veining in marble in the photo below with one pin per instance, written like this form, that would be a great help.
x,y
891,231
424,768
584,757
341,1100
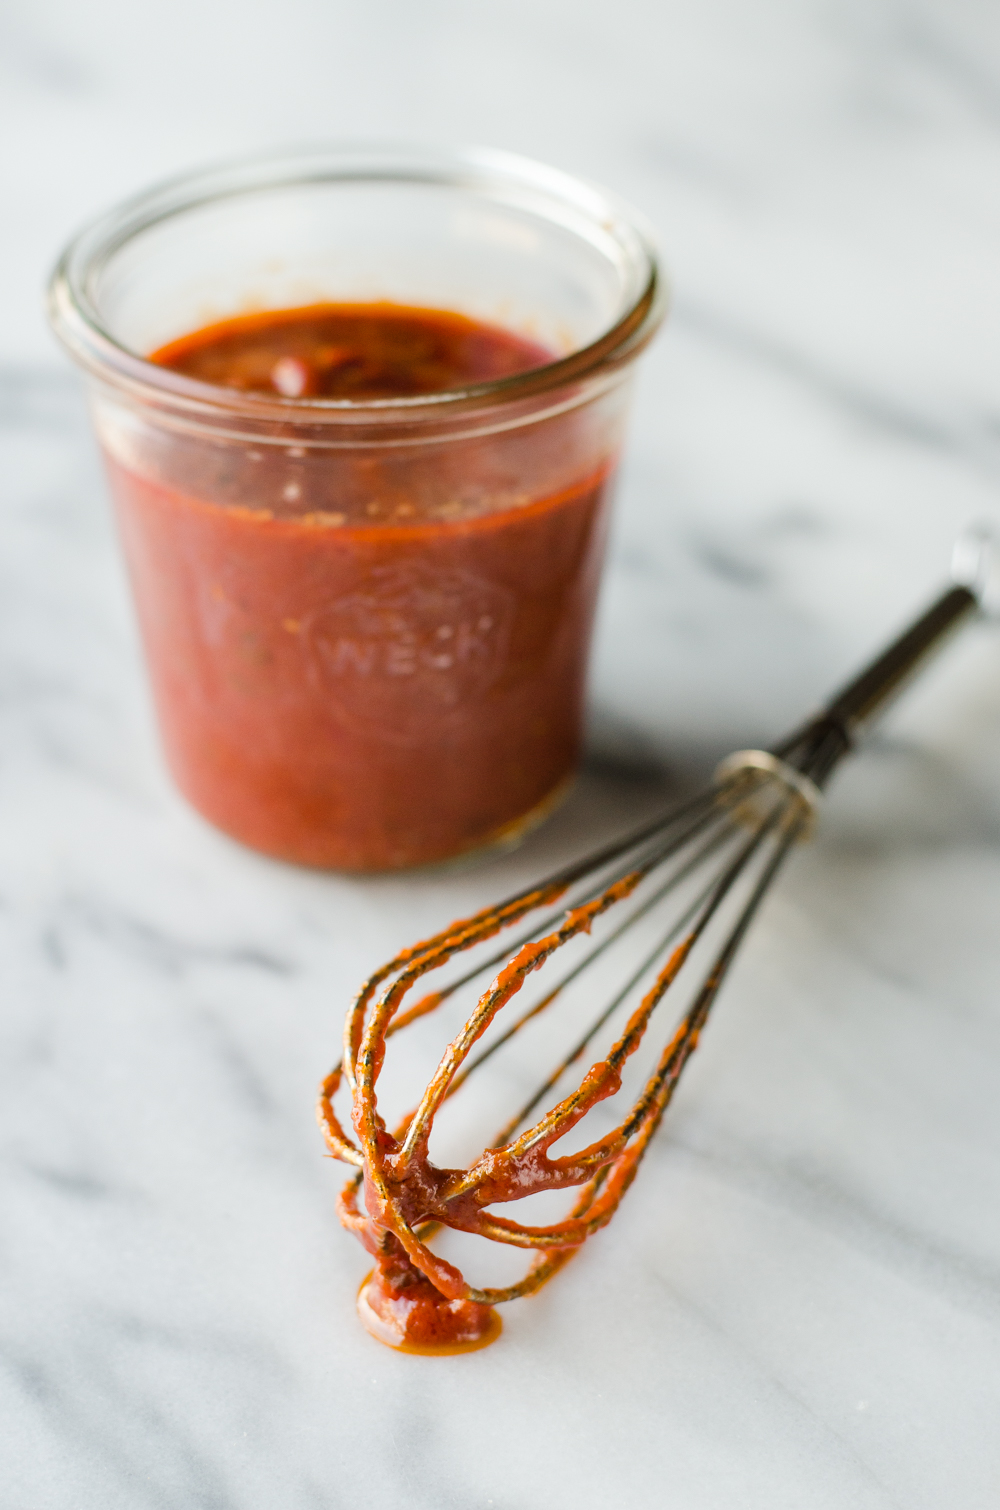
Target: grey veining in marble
x,y
799,1304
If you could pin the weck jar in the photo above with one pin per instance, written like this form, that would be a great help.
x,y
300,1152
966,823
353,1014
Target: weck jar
x,y
366,621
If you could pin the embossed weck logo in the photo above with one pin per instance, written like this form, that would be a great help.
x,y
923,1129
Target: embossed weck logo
x,y
416,644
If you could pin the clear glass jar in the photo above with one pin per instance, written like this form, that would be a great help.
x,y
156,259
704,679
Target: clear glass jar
x,y
366,623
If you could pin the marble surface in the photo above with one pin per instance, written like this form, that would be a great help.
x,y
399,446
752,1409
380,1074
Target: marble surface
x,y
799,1303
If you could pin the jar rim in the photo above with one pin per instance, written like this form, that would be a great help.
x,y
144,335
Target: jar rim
x,y
78,324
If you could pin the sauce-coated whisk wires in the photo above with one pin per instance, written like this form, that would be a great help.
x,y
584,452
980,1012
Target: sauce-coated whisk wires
x,y
706,867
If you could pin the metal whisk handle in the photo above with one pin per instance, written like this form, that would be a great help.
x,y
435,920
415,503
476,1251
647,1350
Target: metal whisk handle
x,y
816,747
873,688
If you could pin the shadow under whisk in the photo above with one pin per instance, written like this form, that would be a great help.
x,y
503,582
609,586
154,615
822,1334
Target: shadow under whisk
x,y
677,898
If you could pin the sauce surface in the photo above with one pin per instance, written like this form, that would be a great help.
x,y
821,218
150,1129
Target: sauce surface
x,y
351,351
364,656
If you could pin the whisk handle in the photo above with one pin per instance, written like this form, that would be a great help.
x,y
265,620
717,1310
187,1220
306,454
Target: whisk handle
x,y
878,682
817,747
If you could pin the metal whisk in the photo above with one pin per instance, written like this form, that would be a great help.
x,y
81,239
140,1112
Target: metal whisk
x,y
714,858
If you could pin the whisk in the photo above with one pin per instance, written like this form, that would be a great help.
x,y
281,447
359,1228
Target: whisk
x,y
714,858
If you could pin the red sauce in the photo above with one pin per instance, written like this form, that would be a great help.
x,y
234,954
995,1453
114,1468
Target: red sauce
x,y
401,1308
366,657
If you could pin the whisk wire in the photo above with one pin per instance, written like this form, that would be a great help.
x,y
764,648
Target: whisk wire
x,y
533,952
622,996
568,1112
647,906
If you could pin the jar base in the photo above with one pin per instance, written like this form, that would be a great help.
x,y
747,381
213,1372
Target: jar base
x,y
506,836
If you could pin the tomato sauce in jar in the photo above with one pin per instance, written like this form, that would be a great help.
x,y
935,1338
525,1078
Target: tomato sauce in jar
x,y
368,657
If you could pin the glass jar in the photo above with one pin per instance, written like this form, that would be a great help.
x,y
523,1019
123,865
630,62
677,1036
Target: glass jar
x,y
366,622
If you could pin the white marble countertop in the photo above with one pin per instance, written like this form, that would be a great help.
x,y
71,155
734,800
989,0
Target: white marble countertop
x,y
802,1306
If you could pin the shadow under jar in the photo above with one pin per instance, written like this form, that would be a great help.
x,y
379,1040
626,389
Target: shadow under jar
x,y
366,619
